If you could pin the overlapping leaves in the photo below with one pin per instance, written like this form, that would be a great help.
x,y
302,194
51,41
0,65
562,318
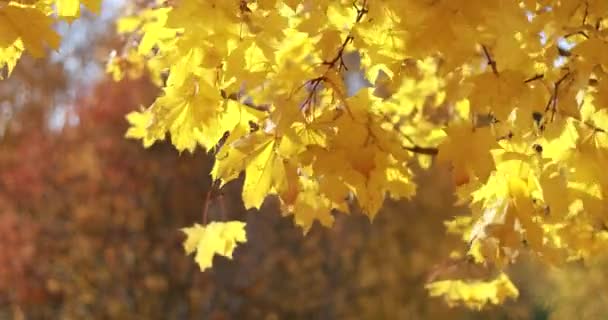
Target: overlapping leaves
x,y
487,86
27,26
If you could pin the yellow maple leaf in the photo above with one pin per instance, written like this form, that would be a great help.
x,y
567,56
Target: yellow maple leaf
x,y
468,150
264,175
474,294
140,121
192,109
9,57
28,24
67,8
216,238
71,8
310,205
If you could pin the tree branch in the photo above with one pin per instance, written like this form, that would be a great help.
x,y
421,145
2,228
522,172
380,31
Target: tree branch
x,y
422,150
491,61
235,97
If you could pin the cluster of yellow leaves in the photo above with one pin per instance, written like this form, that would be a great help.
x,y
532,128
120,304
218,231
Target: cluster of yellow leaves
x,y
513,94
250,85
27,25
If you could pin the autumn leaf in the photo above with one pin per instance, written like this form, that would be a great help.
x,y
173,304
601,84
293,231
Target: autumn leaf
x,y
474,294
28,24
216,238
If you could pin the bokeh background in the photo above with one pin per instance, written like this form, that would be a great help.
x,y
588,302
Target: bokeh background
x,y
89,222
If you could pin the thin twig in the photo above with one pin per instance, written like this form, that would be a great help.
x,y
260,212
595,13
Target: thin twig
x,y
552,103
223,210
536,77
491,61
206,206
422,150
235,97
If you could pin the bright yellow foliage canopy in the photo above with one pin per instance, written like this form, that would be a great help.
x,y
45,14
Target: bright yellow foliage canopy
x,y
513,95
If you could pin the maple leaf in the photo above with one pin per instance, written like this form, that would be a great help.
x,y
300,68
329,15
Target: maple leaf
x,y
67,8
468,150
71,8
474,294
9,57
310,205
264,174
28,24
216,238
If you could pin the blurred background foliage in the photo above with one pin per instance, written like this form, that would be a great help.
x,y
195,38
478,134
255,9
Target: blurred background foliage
x,y
89,224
